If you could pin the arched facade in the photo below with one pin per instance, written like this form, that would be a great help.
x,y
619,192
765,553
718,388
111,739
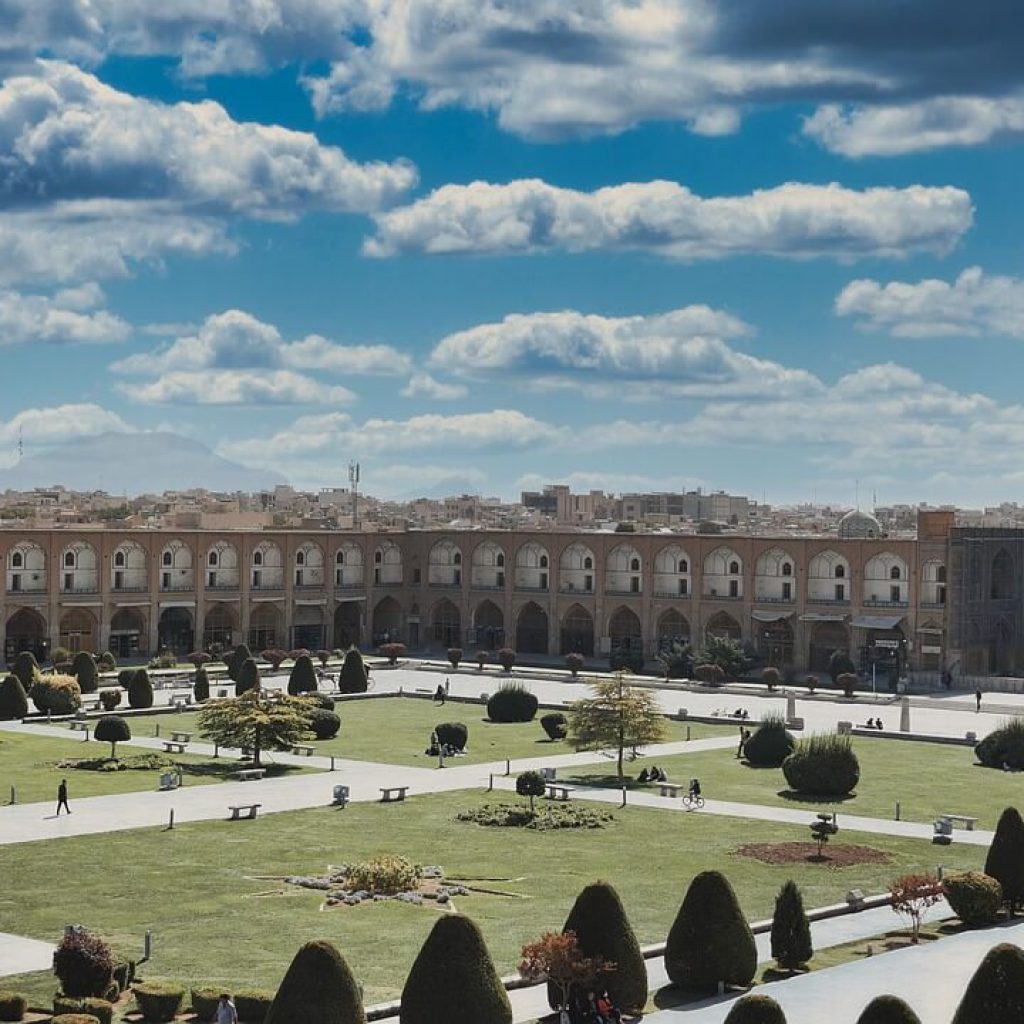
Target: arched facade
x,y
444,565
673,628
576,570
775,576
828,578
309,567
446,624
624,571
128,570
723,574
26,631
1004,577
267,568
26,569
625,633
722,624
774,642
222,566
532,567
532,629
348,567
128,635
348,624
387,621
488,567
933,582
266,627
78,630
79,570
827,637
885,580
176,630
578,632
177,572
672,572
489,626
387,564
220,626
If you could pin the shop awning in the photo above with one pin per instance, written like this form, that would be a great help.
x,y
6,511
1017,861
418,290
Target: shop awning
x,y
821,617
876,621
762,616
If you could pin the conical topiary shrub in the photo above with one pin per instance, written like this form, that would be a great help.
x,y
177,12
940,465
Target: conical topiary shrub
x,y
791,931
453,980
995,993
602,929
710,940
248,677
1005,860
201,687
236,660
317,989
83,668
302,678
756,1010
26,668
140,690
13,700
352,678
888,1010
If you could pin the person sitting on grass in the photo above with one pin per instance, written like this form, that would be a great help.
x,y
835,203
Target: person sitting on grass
x,y
643,776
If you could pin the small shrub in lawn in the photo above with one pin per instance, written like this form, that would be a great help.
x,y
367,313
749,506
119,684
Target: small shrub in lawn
x,y
84,964
112,729
140,690
125,677
110,699
57,694
201,687
530,784
392,652
770,744
101,1009
1005,859
386,873
204,1002
352,678
513,702
791,931
158,1003
974,896
325,724
13,701
823,765
548,818
452,734
574,662
506,658
106,662
252,1004
302,678
12,1005
1003,747
554,725
318,988
236,659
755,1009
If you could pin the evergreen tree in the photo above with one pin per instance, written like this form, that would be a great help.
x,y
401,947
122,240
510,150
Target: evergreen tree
x,y
755,1010
236,659
83,668
453,980
995,993
140,690
248,677
302,678
317,989
257,721
888,1010
26,669
352,678
710,940
13,700
1005,860
602,930
201,687
791,931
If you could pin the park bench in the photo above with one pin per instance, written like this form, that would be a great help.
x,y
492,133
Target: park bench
x,y
250,774
173,747
964,819
236,811
181,700
557,792
303,750
78,725
341,795
181,737
387,791
670,789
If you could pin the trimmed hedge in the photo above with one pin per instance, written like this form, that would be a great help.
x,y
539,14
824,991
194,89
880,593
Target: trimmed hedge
x,y
112,729
974,896
56,694
352,677
13,1006
13,700
453,979
236,659
888,1010
84,964
125,677
1005,859
101,1009
110,699
74,1018
325,724
755,1010
710,940
823,765
555,725
140,690
513,702
204,1002
995,992
158,1003
1003,746
302,678
253,1004
84,670
320,700
26,668
770,744
452,734
318,988
506,658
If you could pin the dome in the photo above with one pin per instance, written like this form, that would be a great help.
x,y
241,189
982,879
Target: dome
x,y
857,525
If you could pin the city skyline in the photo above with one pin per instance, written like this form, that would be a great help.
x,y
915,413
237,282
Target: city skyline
x,y
628,246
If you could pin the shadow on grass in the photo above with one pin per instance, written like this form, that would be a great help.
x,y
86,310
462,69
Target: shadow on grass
x,y
810,798
227,769
609,782
780,974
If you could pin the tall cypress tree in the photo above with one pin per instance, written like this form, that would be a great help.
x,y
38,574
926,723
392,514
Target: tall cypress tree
x,y
317,989
248,677
995,993
13,701
888,1010
352,677
791,931
302,678
1005,860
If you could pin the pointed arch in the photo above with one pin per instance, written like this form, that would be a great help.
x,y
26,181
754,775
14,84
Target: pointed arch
x,y
673,627
175,630
1004,577
266,627
446,623
220,625
672,572
532,567
78,630
489,626
576,569
488,566
578,631
722,624
532,629
387,621
26,631
624,570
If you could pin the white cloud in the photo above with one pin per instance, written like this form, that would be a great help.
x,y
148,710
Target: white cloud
x,y
235,387
68,316
915,127
795,220
423,385
40,427
975,304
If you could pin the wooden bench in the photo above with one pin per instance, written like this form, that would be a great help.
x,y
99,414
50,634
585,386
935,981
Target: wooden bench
x,y
181,737
341,794
303,750
78,725
236,811
557,792
250,774
964,819
173,747
670,789
386,791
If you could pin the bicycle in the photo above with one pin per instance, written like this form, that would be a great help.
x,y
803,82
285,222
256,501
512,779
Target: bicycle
x,y
692,802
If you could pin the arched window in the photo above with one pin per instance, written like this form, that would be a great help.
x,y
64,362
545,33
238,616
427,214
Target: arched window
x,y
588,562
16,560
378,557
684,565
168,558
257,558
339,558
213,558
119,559
940,574
69,560
501,561
734,568
634,565
894,572
543,561
787,569
300,558
840,572
457,558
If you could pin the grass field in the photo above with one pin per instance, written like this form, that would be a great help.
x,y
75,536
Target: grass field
x,y
30,764
927,778
204,891
396,730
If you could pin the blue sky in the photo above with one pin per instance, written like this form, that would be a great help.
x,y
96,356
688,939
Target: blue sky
x,y
628,244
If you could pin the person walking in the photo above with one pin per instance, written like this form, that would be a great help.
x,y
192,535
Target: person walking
x,y
226,1012
62,797
977,700
446,686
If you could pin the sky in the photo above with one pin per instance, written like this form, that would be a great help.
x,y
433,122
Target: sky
x,y
483,245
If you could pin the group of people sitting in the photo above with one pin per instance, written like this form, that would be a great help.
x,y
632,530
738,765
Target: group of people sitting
x,y
741,713
873,723
652,774
590,1008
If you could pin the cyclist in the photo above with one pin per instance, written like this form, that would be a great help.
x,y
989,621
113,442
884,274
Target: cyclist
x,y
695,790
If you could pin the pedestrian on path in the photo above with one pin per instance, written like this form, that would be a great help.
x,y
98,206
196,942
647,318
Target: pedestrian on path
x,y
439,694
744,735
446,686
62,797
226,1012
977,699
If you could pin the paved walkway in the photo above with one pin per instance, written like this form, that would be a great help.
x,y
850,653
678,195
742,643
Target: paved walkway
x,y
19,955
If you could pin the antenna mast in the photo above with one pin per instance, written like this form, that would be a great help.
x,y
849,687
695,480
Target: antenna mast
x,y
353,480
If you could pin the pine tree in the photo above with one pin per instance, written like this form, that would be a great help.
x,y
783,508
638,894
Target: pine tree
x,y
453,980
710,940
1005,860
13,700
236,660
317,989
995,993
755,1010
791,931
888,1010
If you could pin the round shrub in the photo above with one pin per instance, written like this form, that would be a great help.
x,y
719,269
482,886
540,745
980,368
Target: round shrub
x,y
302,678
455,656
110,699
385,873
888,1010
106,662
554,725
84,670
530,784
13,1005
847,682
325,724
770,744
158,1003
513,702
452,734
755,1010
710,673
57,695
506,658
974,896
204,1002
392,652
320,700
112,729
125,677
318,988
101,1009
13,701
252,1004
140,690
352,677
201,687
1003,746
84,964
823,765
771,677
26,669
574,662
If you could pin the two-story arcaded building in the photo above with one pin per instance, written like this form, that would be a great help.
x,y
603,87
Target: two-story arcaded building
x,y
543,593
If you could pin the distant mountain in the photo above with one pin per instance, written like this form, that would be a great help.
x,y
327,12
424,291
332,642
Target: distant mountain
x,y
134,464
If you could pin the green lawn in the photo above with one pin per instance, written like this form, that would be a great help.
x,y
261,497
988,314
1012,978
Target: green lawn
x,y
396,730
927,778
29,763
202,888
